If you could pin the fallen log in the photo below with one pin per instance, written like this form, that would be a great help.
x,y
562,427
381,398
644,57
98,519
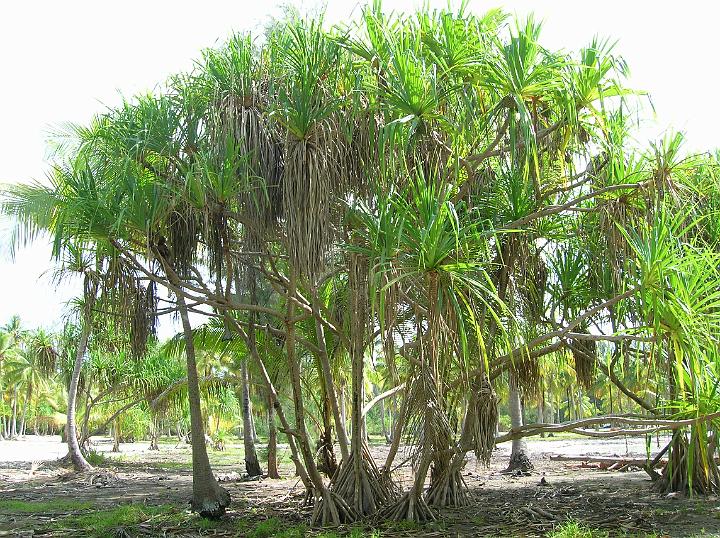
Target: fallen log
x,y
608,460
653,425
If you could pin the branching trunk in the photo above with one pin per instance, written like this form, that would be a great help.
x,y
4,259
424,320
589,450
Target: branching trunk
x,y
329,510
291,435
358,480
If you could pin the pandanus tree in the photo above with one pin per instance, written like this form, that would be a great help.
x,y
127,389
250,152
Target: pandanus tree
x,y
434,186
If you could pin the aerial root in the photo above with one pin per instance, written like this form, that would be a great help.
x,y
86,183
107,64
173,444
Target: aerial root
x,y
448,490
388,484
410,507
332,510
308,498
363,486
702,477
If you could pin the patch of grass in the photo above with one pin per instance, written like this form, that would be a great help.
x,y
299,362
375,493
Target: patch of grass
x,y
96,458
207,524
32,507
106,522
573,529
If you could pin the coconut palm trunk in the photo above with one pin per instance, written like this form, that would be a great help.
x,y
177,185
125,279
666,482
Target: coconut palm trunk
x,y
23,421
154,430
76,458
13,422
116,435
252,465
272,440
209,499
519,460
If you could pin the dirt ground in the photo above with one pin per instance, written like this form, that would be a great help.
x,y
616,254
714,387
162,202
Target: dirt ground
x,y
616,503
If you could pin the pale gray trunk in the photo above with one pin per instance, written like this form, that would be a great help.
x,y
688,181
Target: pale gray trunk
x,y
253,430
209,499
343,408
518,458
116,436
516,419
272,440
252,465
541,414
13,423
76,457
23,422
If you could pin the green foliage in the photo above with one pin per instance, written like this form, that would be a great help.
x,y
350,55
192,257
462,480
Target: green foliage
x,y
273,527
94,457
471,177
574,529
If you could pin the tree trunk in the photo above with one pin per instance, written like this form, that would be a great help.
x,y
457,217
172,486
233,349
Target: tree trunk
x,y
252,465
116,435
13,423
208,499
272,441
358,481
326,511
329,381
291,437
253,429
398,426
343,405
326,461
154,430
519,460
23,422
84,431
76,457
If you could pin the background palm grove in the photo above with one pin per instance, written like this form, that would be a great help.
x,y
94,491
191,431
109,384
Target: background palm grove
x,y
417,226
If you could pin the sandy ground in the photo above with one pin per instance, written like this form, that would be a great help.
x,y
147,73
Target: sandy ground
x,y
620,503
50,447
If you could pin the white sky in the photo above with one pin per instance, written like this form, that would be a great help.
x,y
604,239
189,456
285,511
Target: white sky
x,y
65,61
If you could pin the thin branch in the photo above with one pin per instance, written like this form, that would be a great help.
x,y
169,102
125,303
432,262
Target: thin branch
x,y
377,399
